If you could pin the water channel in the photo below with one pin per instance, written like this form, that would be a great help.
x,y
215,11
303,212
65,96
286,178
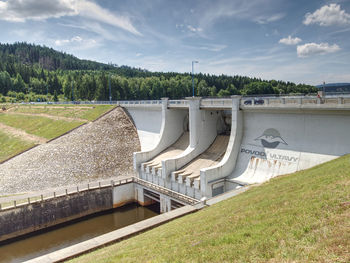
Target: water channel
x,y
59,237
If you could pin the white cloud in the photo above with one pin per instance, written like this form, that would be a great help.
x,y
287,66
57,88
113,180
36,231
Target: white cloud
x,y
87,43
290,41
269,19
93,11
194,29
310,49
22,10
328,15
213,47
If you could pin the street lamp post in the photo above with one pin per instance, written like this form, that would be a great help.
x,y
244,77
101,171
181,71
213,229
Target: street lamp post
x,y
73,90
109,85
194,61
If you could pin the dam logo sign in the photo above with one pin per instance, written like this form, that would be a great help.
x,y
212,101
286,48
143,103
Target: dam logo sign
x,y
271,138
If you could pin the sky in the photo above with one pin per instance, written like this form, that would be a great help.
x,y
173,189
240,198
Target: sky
x,y
299,41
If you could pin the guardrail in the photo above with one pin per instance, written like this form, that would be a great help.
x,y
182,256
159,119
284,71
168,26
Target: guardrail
x,y
92,186
177,196
62,192
226,102
114,102
294,101
177,103
221,102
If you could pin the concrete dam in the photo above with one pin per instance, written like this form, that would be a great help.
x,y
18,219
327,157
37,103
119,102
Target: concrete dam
x,y
205,147
191,151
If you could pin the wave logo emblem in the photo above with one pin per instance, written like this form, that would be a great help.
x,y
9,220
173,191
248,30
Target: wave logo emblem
x,y
271,138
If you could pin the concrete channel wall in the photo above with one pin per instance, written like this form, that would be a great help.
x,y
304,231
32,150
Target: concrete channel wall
x,y
23,218
27,218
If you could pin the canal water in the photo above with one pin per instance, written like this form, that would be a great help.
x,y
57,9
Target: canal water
x,y
73,233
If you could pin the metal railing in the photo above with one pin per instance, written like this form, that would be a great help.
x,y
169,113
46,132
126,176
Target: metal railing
x,y
35,198
114,102
224,102
177,103
61,192
177,196
295,101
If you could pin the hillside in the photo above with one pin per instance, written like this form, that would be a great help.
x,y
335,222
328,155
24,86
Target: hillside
x,y
31,73
44,57
24,126
302,217
98,150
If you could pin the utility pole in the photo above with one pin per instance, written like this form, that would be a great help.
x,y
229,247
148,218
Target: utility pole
x,y
194,61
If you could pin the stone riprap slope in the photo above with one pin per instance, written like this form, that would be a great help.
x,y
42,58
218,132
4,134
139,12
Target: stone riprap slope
x,y
97,150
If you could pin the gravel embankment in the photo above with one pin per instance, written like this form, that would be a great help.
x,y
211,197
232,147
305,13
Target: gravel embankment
x,y
98,150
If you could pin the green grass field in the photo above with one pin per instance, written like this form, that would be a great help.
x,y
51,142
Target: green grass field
x,y
11,146
86,112
40,126
303,217
43,126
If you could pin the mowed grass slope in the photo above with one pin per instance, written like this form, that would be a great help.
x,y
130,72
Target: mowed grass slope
x,y
11,146
302,217
87,112
42,126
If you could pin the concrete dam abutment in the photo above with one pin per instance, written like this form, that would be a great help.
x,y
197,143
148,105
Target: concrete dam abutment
x,y
233,142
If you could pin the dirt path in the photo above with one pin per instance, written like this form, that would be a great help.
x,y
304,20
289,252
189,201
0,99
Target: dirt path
x,y
53,117
22,134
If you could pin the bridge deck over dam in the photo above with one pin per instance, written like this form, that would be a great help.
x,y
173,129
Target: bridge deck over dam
x,y
264,137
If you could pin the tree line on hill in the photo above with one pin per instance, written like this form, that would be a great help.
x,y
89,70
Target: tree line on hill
x,y
31,72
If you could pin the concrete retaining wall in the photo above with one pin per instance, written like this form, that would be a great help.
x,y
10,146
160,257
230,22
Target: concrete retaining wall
x,y
123,195
28,218
23,218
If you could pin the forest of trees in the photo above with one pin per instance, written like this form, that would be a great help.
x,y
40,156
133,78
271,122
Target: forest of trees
x,y
28,71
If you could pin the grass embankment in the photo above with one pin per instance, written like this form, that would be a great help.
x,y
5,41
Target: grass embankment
x,y
39,126
11,146
303,217
86,112
42,126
